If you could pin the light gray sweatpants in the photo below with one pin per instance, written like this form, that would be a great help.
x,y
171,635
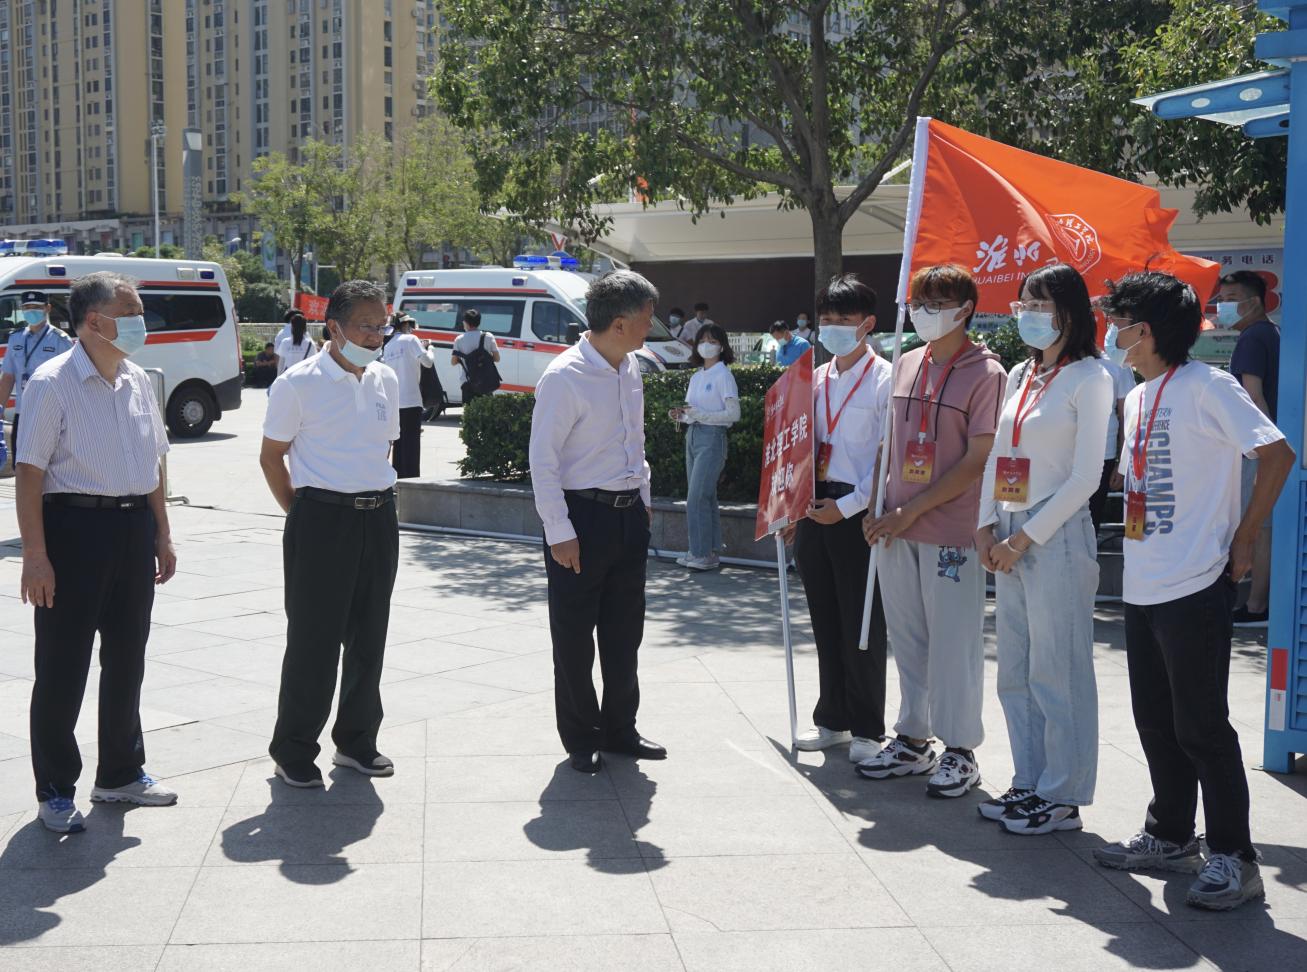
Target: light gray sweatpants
x,y
934,601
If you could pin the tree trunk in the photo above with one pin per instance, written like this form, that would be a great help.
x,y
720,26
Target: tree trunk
x,y
827,245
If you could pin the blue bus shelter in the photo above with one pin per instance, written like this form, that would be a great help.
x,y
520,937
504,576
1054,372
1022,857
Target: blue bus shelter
x,y
1273,104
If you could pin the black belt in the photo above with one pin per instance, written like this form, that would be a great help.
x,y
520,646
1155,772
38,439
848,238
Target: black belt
x,y
618,500
359,501
86,501
827,489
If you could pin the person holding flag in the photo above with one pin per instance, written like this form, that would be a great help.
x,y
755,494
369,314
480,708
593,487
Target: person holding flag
x,y
1036,535
850,399
946,398
1186,548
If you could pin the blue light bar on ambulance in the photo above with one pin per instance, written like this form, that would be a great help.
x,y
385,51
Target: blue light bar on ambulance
x,y
565,260
530,261
206,275
33,248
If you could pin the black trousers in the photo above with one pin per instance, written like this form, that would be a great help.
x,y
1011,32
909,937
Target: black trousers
x,y
104,566
406,453
13,441
1098,502
607,599
833,562
340,571
1179,660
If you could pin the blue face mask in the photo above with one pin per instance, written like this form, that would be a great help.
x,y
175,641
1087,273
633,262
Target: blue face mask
x,y
1227,313
1036,328
131,334
1114,354
839,339
34,317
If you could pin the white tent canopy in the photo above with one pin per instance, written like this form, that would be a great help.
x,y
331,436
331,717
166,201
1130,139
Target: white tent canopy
x,y
758,229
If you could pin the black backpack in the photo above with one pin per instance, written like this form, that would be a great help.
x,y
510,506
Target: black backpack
x,y
482,375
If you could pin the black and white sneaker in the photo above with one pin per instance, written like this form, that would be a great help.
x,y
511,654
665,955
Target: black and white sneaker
x,y
1039,816
957,773
1225,883
899,758
1143,851
999,805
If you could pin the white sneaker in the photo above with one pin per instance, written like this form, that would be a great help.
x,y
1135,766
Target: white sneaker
x,y
374,765
683,560
1225,883
898,759
819,737
61,815
711,562
1143,851
145,792
956,775
863,748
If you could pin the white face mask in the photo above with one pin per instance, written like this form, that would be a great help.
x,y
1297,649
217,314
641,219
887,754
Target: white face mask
x,y
933,326
709,350
839,339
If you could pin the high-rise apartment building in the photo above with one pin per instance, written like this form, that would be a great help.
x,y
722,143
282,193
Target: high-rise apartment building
x,y
82,82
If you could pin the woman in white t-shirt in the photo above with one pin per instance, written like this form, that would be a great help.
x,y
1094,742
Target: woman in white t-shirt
x,y
1036,536
712,405
296,346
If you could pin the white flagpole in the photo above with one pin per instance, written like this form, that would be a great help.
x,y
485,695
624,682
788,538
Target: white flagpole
x,y
785,633
920,153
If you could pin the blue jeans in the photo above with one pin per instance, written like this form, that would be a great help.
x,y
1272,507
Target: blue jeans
x,y
1045,626
705,457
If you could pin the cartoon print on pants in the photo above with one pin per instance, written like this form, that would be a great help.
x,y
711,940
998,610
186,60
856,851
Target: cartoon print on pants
x,y
951,560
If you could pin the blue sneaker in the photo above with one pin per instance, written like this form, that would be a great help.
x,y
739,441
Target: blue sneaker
x,y
61,815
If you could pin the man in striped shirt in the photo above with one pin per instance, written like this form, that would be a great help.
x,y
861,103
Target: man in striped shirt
x,y
96,540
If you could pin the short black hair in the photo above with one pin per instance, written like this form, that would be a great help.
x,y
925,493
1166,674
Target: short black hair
x,y
266,346
1166,303
779,326
349,295
472,316
718,334
1062,284
701,306
1254,283
676,310
618,293
846,294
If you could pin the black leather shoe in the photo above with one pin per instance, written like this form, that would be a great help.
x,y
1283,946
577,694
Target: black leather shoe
x,y
639,747
587,762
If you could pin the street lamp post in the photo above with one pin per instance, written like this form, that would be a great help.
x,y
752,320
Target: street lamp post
x,y
157,131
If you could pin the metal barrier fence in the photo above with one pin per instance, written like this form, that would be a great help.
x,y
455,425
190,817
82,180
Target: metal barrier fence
x,y
160,386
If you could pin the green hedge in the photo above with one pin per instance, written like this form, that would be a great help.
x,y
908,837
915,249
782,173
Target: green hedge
x,y
497,432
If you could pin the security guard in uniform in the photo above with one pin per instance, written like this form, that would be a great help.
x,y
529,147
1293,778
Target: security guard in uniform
x,y
29,347
92,514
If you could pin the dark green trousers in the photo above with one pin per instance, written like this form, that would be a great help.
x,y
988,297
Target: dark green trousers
x,y
340,571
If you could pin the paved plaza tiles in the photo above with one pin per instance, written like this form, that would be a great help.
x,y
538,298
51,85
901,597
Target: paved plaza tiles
x,y
486,851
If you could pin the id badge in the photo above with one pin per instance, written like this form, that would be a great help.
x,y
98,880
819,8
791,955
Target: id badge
x,y
1136,511
919,462
1012,480
823,460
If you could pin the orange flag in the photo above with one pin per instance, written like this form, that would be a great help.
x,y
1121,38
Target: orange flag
x,y
1002,213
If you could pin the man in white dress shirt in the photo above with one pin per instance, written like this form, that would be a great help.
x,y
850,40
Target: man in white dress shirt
x,y
335,415
94,522
407,357
591,486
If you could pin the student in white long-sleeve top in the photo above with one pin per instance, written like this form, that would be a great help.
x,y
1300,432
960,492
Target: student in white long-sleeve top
x,y
591,486
1036,535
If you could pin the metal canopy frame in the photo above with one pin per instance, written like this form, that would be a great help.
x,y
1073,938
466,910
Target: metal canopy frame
x,y
1269,104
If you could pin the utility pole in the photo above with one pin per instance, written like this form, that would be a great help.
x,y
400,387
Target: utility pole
x,y
157,131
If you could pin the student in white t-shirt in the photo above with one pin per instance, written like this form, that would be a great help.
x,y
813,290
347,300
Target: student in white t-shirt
x,y
1186,429
407,357
296,346
712,406
1035,534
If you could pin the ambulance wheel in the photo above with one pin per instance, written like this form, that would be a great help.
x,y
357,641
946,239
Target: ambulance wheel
x,y
191,412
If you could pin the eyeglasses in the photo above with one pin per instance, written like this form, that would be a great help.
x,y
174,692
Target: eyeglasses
x,y
932,306
376,329
1038,306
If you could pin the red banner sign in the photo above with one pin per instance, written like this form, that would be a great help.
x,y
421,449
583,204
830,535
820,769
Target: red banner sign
x,y
313,308
787,485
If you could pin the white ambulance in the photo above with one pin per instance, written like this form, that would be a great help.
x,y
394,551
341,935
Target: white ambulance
x,y
189,319
534,314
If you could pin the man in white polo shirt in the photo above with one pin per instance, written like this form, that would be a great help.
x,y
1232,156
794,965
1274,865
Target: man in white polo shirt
x,y
335,416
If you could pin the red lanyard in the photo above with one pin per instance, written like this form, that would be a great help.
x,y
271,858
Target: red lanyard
x,y
1139,451
832,422
926,399
1023,413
